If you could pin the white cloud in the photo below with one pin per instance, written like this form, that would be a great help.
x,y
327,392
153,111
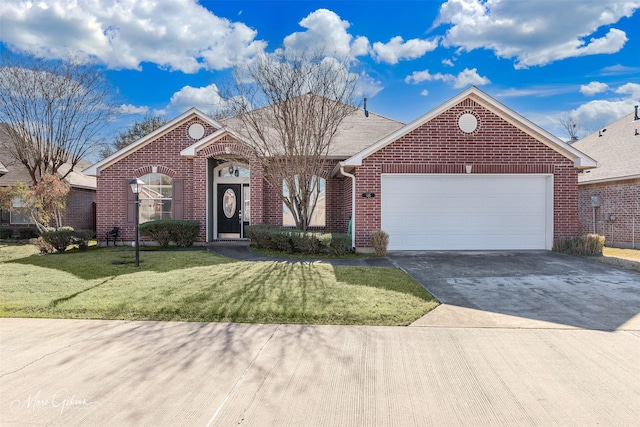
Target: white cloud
x,y
631,89
367,86
535,33
601,112
447,62
397,49
326,34
618,69
207,99
464,78
537,91
470,77
424,92
175,34
132,109
593,88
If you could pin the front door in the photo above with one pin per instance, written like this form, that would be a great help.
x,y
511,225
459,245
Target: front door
x,y
229,211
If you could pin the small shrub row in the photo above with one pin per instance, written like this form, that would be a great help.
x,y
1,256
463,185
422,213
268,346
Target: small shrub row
x,y
6,233
297,241
590,244
60,239
24,233
164,231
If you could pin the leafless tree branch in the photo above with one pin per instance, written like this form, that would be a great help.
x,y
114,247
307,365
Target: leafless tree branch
x,y
55,111
289,108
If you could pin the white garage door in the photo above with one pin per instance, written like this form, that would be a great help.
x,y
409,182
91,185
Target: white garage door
x,y
467,212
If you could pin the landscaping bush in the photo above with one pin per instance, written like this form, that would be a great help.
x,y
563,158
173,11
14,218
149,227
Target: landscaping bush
x,y
590,244
260,235
163,231
380,242
297,241
340,244
185,233
60,239
6,233
82,237
27,233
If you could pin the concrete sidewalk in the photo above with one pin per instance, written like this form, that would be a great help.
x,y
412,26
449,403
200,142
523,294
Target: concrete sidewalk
x,y
115,373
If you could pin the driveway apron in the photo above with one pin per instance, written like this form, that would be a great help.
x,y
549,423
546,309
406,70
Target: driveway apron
x,y
528,289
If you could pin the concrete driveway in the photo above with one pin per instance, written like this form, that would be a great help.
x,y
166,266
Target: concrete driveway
x,y
529,289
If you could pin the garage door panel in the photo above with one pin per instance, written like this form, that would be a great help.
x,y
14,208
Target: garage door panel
x,y
457,212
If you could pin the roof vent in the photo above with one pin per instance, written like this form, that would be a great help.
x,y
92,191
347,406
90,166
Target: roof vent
x,y
636,134
366,112
636,116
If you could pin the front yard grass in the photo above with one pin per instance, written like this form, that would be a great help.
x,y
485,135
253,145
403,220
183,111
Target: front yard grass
x,y
103,283
625,258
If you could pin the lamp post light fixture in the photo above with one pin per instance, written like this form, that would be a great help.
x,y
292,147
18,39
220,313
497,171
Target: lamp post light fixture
x,y
136,187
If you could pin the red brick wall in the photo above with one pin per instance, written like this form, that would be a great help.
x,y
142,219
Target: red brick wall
x,y
164,153
439,146
621,198
79,212
337,213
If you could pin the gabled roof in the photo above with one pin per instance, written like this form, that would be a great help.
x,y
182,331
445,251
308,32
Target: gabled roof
x,y
617,149
12,171
580,160
357,131
95,169
192,150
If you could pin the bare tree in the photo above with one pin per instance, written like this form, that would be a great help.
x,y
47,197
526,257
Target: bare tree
x,y
55,112
289,108
570,124
134,132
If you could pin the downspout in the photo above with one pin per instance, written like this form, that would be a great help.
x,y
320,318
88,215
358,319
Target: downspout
x,y
353,205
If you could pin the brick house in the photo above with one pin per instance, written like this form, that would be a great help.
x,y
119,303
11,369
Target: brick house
x,y
80,201
470,174
610,195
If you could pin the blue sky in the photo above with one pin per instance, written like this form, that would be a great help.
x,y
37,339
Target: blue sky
x,y
542,58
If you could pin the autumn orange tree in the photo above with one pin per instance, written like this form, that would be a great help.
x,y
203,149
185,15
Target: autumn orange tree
x,y
46,201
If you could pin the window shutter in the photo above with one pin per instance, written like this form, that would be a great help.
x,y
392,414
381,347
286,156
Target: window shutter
x,y
131,204
177,199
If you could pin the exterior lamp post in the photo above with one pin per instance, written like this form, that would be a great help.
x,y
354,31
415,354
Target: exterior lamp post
x,y
136,187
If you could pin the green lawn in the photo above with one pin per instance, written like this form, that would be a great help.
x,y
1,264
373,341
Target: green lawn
x,y
103,283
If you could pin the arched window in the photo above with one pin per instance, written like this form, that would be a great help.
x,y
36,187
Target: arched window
x,y
318,217
155,198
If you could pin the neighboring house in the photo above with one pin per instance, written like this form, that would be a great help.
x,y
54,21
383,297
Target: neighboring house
x,y
610,194
80,202
470,174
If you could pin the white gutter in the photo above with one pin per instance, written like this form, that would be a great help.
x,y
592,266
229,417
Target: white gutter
x,y
353,205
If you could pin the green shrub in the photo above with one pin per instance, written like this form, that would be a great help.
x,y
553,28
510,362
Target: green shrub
x,y
340,244
82,237
6,233
60,239
260,235
184,233
380,242
27,233
289,240
590,244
